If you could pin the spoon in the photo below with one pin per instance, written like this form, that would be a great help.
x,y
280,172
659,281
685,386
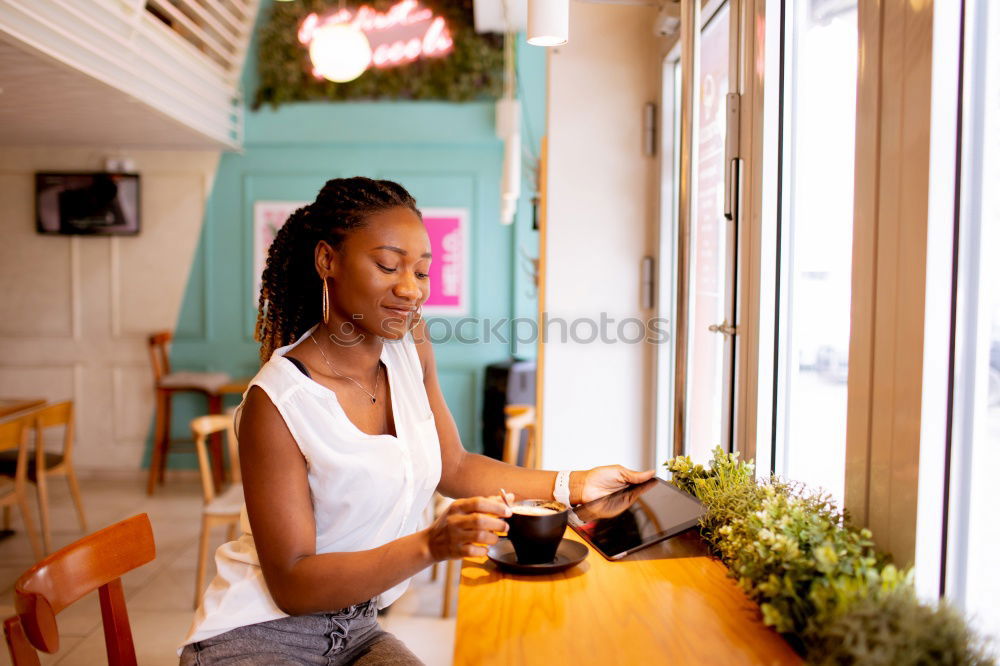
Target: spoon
x,y
503,496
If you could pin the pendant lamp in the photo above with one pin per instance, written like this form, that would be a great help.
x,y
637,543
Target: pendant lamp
x,y
340,52
548,22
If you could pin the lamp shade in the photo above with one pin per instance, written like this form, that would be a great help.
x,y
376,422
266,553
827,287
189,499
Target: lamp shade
x,y
548,22
510,181
339,52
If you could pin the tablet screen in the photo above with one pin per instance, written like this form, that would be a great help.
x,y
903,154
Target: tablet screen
x,y
635,517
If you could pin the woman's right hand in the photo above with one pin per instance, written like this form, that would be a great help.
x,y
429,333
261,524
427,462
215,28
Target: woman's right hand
x,y
467,527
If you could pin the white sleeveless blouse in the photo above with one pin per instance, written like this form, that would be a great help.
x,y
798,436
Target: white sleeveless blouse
x,y
367,490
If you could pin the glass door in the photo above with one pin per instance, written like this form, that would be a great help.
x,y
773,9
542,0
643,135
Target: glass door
x,y
697,280
712,252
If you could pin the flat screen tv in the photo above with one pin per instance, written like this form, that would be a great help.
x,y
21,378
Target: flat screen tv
x,y
101,204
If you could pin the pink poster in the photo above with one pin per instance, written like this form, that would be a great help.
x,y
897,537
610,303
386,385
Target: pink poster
x,y
449,276
268,217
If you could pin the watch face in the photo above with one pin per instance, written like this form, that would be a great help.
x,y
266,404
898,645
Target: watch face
x,y
635,517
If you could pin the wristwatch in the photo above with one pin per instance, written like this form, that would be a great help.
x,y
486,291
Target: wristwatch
x,y
560,492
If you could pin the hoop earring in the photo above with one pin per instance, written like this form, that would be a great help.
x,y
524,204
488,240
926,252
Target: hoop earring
x,y
326,303
416,320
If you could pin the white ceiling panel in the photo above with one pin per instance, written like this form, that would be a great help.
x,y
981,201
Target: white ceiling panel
x,y
43,102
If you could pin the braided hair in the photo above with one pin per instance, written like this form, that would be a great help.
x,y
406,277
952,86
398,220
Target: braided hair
x,y
290,291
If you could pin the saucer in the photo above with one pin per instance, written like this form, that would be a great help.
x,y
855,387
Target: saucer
x,y
568,554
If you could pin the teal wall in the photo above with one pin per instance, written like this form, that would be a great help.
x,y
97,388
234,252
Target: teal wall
x,y
445,154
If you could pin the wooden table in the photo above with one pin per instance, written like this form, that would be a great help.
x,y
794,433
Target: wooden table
x,y
9,406
670,603
237,386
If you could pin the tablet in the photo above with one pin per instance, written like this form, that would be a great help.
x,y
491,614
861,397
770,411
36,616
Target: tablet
x,y
635,517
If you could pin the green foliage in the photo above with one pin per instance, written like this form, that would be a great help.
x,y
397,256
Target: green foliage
x,y
817,579
472,70
897,630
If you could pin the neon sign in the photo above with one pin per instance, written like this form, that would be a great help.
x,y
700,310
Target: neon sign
x,y
345,43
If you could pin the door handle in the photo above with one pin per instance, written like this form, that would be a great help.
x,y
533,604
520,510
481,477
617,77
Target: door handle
x,y
732,153
723,328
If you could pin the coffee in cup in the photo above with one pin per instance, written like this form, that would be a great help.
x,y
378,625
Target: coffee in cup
x,y
536,528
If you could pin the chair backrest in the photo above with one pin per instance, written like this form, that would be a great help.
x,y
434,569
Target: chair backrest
x,y
50,416
14,434
95,562
159,353
519,418
203,427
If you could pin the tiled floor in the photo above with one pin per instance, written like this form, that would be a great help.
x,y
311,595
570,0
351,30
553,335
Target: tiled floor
x,y
159,595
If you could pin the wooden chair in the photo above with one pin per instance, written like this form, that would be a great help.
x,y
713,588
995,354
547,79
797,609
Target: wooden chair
x,y
14,436
219,508
95,562
439,505
520,419
166,384
42,464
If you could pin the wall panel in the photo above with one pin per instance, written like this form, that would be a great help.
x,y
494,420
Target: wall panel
x,y
132,398
172,211
601,208
36,272
76,310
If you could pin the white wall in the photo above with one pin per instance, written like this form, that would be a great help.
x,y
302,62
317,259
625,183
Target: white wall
x,y
76,311
601,220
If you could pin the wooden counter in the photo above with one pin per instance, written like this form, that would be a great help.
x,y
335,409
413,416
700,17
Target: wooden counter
x,y
669,603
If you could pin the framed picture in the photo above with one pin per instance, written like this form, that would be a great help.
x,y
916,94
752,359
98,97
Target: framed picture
x,y
448,231
268,216
449,273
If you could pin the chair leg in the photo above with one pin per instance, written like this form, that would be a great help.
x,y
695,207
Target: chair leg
x,y
42,488
231,532
158,444
29,524
74,490
199,583
218,465
168,403
434,572
446,607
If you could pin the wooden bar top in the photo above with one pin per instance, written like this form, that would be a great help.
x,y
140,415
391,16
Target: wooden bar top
x,y
669,603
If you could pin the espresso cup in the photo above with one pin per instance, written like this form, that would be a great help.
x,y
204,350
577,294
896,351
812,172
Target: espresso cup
x,y
536,528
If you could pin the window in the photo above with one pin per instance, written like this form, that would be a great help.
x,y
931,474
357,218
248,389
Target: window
x,y
973,540
814,242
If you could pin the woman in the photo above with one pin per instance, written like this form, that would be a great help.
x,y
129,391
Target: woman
x,y
344,435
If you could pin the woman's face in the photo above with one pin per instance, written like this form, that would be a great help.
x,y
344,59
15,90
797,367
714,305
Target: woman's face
x,y
379,276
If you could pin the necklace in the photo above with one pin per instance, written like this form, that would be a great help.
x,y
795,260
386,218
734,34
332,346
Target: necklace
x,y
350,379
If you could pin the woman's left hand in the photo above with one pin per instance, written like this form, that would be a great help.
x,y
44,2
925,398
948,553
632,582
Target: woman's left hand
x,y
601,481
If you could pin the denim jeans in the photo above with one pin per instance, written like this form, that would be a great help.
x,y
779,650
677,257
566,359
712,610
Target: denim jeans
x,y
349,636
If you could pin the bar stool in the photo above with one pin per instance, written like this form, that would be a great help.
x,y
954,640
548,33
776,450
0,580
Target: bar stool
x,y
520,419
220,508
166,384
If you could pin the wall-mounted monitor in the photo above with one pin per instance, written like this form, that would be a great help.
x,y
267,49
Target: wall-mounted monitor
x,y
101,204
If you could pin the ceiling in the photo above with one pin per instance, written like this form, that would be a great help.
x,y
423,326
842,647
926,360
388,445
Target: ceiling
x,y
44,102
